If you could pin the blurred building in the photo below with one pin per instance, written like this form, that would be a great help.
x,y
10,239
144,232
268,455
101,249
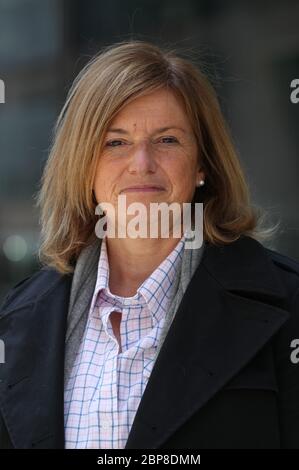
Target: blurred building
x,y
250,49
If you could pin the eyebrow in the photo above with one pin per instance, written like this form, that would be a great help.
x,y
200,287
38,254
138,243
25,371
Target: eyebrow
x,y
161,129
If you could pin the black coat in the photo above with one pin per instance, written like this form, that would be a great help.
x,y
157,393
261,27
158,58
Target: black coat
x,y
224,376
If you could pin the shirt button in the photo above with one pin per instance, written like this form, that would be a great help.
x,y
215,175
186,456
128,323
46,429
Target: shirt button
x,y
105,423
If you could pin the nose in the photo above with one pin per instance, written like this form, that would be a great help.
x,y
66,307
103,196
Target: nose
x,y
142,160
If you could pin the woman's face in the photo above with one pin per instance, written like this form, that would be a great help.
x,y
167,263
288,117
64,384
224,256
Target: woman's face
x,y
149,142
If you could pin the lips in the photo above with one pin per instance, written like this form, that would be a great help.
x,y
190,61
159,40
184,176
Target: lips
x,y
143,188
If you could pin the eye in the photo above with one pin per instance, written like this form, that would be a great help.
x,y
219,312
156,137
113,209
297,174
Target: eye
x,y
172,140
112,142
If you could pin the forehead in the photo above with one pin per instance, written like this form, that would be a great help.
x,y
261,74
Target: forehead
x,y
159,108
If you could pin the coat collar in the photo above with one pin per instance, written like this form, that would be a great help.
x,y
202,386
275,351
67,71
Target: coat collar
x,y
234,303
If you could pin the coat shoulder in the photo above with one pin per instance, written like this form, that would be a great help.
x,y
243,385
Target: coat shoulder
x,y
30,288
283,261
287,269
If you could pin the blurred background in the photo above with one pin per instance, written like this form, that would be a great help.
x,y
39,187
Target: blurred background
x,y
250,49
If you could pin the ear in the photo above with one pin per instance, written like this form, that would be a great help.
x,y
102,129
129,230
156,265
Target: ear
x,y
200,175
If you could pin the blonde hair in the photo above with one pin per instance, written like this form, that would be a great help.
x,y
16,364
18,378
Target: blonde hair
x,y
111,79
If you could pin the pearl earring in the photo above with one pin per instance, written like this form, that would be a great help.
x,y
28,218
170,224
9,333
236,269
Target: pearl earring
x,y
201,183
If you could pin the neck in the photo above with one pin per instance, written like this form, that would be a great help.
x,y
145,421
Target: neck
x,y
131,261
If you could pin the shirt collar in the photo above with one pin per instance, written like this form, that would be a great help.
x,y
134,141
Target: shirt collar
x,y
156,291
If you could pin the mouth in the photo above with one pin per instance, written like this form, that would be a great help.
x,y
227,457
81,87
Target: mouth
x,y
143,189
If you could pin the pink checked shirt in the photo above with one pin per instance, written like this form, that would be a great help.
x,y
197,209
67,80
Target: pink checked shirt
x,y
105,386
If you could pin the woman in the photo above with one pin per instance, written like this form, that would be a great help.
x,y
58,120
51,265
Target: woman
x,y
140,342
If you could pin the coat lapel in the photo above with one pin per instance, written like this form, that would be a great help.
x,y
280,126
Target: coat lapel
x,y
233,305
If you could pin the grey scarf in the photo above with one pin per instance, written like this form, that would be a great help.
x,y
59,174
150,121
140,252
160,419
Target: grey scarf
x,y
83,285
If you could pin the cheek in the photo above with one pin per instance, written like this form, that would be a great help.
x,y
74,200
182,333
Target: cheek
x,y
183,180
106,183
98,180
102,175
101,183
182,174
